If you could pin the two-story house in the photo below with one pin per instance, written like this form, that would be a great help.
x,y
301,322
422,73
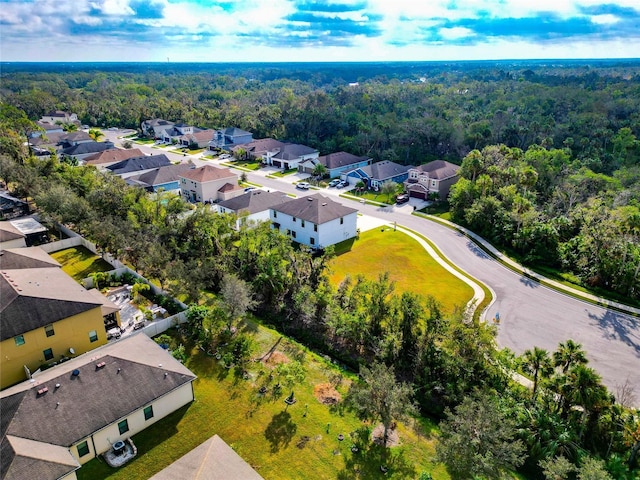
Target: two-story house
x,y
228,138
373,176
315,220
173,135
199,138
335,163
71,413
433,178
155,127
209,184
45,315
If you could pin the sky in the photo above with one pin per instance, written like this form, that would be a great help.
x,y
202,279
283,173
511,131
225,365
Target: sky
x,y
316,30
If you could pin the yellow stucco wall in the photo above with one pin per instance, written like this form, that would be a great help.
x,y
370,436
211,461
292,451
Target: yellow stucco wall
x,y
72,332
105,438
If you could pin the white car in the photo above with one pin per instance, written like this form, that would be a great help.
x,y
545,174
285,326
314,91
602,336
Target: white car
x,y
303,186
224,156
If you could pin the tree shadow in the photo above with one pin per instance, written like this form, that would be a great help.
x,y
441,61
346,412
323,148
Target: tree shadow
x,y
618,326
364,461
476,250
280,431
528,281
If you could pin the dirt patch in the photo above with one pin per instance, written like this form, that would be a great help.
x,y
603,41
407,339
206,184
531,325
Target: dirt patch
x,y
326,394
275,358
393,439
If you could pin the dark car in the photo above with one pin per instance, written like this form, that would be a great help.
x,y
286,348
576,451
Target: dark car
x,y
402,198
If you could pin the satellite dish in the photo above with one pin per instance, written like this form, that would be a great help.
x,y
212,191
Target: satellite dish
x,y
72,351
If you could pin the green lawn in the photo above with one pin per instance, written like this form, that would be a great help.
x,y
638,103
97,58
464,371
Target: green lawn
x,y
80,263
144,141
244,164
408,264
280,442
283,173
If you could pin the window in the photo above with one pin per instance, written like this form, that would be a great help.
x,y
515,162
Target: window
x,y
123,426
302,223
48,354
275,214
312,241
294,219
48,330
315,227
19,339
83,449
148,412
433,183
341,220
293,234
93,336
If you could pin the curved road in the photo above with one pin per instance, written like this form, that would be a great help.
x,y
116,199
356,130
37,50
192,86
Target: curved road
x,y
530,314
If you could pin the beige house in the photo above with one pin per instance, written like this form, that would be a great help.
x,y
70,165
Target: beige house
x,y
101,160
433,178
209,184
79,409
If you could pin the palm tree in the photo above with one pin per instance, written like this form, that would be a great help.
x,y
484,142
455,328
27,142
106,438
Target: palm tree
x,y
96,134
585,389
69,127
538,363
569,354
319,171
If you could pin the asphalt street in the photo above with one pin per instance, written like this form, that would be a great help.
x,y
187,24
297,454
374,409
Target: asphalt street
x,y
530,314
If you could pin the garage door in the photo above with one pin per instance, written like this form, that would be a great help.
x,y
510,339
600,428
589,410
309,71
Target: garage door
x,y
421,194
277,163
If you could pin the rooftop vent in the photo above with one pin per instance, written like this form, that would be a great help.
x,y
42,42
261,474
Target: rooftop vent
x,y
324,204
100,365
310,199
75,373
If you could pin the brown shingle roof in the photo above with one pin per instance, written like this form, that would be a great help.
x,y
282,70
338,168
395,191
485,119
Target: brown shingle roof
x,y
440,169
340,159
113,155
260,146
208,173
229,187
315,209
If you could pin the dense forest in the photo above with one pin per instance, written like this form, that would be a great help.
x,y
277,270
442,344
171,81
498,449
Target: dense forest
x,y
550,170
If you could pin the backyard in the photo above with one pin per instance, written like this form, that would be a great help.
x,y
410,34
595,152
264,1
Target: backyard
x,y
409,265
279,441
80,263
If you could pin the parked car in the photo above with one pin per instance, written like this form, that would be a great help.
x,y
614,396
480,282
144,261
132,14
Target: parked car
x,y
402,198
249,189
342,184
334,182
303,185
224,156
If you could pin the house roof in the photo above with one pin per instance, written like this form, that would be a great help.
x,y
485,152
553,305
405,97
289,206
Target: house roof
x,y
314,208
291,151
341,159
154,122
48,126
77,136
21,458
439,169
35,297
201,136
113,155
58,113
261,146
9,232
8,201
29,257
87,147
385,170
135,164
235,132
229,187
137,371
27,225
255,201
207,173
211,460
161,175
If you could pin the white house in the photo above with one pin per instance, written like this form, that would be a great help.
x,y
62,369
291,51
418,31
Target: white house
x,y
155,127
77,410
253,207
290,155
59,116
315,221
209,184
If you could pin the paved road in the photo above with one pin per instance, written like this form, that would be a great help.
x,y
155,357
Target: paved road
x,y
530,314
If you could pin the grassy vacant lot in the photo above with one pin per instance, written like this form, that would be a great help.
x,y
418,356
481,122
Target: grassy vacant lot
x,y
244,164
408,264
80,262
280,442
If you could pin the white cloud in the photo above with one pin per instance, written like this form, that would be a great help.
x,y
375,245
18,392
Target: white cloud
x,y
606,19
456,33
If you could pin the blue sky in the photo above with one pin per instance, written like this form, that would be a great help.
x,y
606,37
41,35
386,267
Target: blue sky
x,y
316,30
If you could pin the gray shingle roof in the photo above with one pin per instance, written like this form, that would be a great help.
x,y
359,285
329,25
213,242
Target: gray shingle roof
x,y
385,170
291,151
255,201
161,175
340,159
9,232
135,164
315,209
29,257
440,169
87,147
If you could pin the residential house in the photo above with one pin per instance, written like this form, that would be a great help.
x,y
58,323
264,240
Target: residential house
x,y
209,184
47,129
166,178
373,176
71,413
12,207
103,159
72,139
253,206
138,165
229,138
200,138
155,127
211,460
11,237
59,139
173,135
257,149
81,151
289,156
59,116
335,163
433,178
45,317
26,257
315,220
29,229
